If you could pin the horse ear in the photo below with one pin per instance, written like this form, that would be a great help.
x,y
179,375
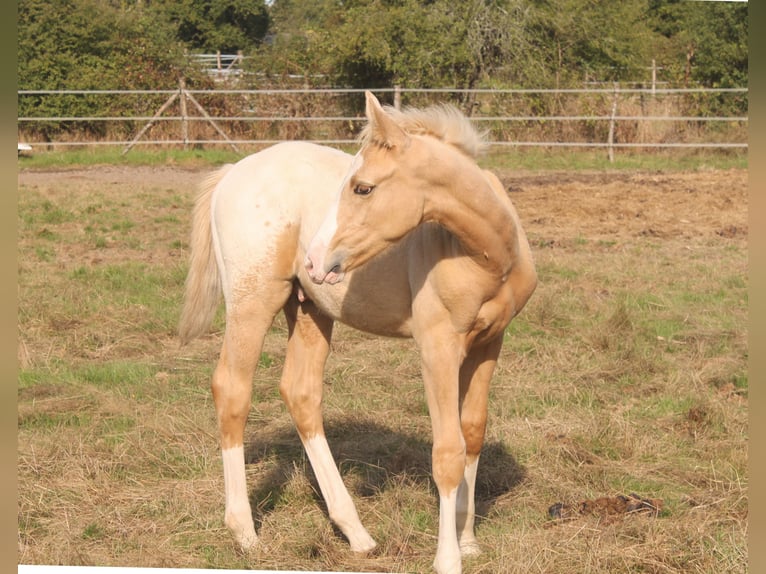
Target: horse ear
x,y
383,128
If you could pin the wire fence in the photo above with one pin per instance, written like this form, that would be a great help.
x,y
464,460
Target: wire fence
x,y
607,117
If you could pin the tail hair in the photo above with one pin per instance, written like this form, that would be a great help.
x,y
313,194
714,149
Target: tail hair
x,y
203,283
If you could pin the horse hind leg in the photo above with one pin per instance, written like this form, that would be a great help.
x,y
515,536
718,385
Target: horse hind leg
x,y
308,346
248,317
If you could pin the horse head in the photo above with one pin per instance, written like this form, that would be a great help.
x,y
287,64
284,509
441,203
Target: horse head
x,y
379,202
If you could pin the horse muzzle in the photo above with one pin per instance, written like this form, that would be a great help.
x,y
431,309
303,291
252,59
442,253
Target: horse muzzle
x,y
322,270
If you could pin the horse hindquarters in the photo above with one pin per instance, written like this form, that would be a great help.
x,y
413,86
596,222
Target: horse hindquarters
x,y
248,319
256,216
255,249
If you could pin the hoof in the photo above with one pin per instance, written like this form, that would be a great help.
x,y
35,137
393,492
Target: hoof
x,y
244,534
470,548
363,544
246,541
451,567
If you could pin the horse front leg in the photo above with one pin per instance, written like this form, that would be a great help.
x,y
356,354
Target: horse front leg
x,y
309,333
441,364
475,375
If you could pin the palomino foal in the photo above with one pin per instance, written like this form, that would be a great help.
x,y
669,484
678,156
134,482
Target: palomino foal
x,y
417,242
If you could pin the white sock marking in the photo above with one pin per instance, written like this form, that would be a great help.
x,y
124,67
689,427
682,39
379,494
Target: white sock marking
x,y
448,559
238,516
466,510
339,503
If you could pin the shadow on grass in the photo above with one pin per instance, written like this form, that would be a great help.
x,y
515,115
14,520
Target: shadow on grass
x,y
372,457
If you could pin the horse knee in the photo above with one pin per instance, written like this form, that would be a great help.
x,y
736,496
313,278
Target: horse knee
x,y
299,401
304,406
448,466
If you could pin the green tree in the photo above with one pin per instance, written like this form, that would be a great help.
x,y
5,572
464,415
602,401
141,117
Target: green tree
x,y
294,41
540,43
210,25
90,45
87,44
603,39
703,42
371,43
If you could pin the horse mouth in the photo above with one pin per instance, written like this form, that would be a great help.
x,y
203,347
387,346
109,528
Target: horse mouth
x,y
322,274
334,275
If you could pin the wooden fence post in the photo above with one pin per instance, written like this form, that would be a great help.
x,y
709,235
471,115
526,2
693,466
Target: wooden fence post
x,y
184,95
184,113
610,140
211,121
397,97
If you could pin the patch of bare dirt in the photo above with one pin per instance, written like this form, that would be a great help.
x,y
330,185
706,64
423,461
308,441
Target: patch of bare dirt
x,y
141,176
620,205
555,207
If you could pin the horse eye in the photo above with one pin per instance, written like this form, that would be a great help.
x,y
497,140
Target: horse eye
x,y
362,189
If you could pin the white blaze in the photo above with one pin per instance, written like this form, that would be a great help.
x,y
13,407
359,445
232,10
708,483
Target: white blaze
x,y
317,251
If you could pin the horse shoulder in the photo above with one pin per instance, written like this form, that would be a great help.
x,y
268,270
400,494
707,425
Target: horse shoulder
x,y
479,304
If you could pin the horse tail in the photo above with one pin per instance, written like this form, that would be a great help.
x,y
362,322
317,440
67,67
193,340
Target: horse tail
x,y
203,283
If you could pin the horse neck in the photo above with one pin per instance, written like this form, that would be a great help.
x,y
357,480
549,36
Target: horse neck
x,y
464,202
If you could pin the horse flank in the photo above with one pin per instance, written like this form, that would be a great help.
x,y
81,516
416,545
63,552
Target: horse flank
x,y
203,283
442,121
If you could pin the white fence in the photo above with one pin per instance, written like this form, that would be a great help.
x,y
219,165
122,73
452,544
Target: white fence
x,y
605,117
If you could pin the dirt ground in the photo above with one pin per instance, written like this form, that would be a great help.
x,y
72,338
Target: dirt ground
x,y
593,394
628,204
552,205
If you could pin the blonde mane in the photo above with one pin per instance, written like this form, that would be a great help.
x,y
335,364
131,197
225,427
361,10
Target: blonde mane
x,y
442,121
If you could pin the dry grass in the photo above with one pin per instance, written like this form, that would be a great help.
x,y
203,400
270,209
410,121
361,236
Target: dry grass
x,y
626,373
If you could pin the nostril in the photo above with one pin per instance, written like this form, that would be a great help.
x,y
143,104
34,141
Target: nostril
x,y
313,271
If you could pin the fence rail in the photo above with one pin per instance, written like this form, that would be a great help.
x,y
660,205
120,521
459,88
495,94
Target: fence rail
x,y
501,125
491,91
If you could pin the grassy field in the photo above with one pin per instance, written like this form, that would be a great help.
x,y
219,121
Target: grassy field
x,y
497,157
627,373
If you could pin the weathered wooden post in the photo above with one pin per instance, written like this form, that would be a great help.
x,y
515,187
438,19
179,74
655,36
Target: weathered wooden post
x,y
184,113
612,120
